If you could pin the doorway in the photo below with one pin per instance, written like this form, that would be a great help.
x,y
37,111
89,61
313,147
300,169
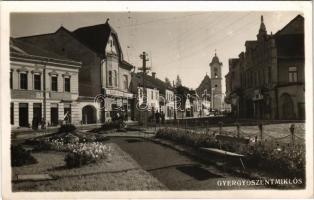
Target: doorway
x,y
23,115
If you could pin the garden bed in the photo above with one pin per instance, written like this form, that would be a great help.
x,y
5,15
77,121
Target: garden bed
x,y
283,159
120,172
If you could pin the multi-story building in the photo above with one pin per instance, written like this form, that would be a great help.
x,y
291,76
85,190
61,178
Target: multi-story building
x,y
158,96
104,74
267,80
44,86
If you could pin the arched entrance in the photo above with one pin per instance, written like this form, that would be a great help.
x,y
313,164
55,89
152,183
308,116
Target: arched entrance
x,y
287,108
89,115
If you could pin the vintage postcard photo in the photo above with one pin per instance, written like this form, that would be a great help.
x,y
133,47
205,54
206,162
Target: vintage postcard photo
x,y
137,100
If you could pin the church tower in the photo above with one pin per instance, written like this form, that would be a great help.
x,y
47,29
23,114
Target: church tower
x,y
216,80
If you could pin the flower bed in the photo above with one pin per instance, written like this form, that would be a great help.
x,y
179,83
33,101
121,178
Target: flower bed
x,y
79,154
268,155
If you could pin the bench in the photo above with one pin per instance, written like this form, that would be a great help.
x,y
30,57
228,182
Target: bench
x,y
221,152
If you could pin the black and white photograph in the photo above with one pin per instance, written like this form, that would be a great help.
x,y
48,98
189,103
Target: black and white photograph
x,y
143,100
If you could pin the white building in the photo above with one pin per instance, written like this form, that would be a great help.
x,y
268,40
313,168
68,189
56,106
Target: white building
x,y
44,87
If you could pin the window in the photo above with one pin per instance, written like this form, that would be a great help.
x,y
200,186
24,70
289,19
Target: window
x,y
215,85
216,72
67,84
12,113
152,95
11,80
293,74
54,83
37,85
115,78
110,78
23,81
125,82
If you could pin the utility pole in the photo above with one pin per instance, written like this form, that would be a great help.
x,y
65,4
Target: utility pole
x,y
174,103
144,70
45,95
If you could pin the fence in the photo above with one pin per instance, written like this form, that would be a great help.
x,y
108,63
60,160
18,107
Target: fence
x,y
252,129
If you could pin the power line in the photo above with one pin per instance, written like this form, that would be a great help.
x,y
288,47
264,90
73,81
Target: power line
x,y
163,19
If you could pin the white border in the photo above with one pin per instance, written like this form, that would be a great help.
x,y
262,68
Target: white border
x,y
71,6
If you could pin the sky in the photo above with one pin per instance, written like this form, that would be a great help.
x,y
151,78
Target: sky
x,y
177,43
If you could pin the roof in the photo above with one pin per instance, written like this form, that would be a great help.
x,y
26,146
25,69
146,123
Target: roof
x,y
28,48
204,85
95,37
150,82
251,44
295,26
25,48
215,59
290,39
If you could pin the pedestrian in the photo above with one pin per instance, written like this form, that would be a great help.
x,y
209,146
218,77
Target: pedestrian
x,y
157,117
43,123
162,117
35,123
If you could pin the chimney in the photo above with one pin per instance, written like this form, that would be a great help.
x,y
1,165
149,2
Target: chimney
x,y
154,74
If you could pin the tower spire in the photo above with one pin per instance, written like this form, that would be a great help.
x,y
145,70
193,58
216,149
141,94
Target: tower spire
x,y
262,33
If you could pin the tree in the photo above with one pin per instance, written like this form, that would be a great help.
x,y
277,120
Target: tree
x,y
178,81
167,81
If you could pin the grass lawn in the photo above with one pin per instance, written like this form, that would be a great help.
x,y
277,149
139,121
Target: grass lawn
x,y
119,172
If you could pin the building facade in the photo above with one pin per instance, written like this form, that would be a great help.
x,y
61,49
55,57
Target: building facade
x,y
267,80
157,97
104,77
44,87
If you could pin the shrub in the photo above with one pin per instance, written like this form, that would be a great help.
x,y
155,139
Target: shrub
x,y
19,156
66,128
190,138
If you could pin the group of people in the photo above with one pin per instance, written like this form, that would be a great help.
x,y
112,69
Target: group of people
x,y
159,117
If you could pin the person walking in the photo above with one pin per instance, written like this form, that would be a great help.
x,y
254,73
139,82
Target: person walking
x,y
162,117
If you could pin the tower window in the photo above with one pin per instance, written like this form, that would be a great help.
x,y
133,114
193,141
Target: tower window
x,y
110,78
216,85
216,72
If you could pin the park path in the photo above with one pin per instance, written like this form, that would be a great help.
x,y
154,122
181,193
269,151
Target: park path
x,y
176,171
